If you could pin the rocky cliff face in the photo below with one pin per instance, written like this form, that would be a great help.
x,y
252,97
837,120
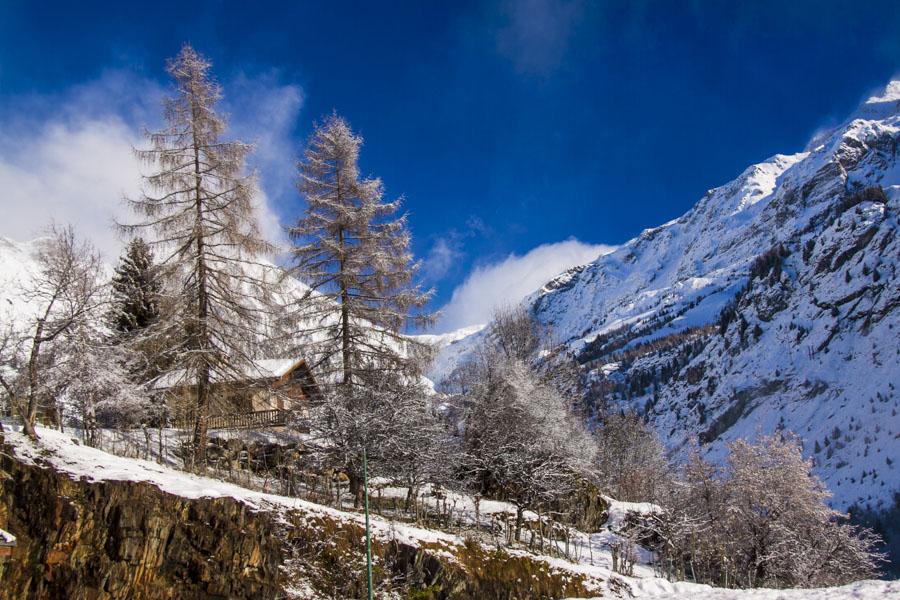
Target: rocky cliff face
x,y
96,538
119,539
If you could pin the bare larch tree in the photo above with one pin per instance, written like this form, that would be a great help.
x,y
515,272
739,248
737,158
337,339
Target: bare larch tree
x,y
353,251
200,205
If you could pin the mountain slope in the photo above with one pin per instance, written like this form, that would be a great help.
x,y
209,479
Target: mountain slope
x,y
18,265
773,303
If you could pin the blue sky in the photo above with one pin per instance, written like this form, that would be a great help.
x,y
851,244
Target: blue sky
x,y
508,126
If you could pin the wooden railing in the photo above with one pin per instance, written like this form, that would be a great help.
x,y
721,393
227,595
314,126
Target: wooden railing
x,y
251,420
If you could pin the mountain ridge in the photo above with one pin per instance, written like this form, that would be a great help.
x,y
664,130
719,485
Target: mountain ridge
x,y
761,308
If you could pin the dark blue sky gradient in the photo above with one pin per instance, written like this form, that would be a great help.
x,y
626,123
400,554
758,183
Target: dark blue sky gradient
x,y
507,125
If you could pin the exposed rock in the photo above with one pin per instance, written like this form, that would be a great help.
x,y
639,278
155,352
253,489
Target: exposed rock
x,y
116,539
123,539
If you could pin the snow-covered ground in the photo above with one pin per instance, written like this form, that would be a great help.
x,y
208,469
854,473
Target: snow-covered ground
x,y
66,454
861,590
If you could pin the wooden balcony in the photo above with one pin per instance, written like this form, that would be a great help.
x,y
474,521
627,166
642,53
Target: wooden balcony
x,y
253,420
260,419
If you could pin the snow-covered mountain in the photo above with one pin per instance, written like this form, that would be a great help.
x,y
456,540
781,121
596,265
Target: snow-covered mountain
x,y
18,264
774,303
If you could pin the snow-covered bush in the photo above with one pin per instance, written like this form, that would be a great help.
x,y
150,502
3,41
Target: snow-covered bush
x,y
761,520
631,460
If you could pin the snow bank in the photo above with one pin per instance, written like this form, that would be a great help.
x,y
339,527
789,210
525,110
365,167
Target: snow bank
x,y
618,511
67,455
861,590
6,538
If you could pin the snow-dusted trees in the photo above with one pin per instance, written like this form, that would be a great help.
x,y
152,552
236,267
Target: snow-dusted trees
x,y
421,453
200,205
631,460
520,440
516,334
352,249
761,520
97,386
64,293
389,420
59,359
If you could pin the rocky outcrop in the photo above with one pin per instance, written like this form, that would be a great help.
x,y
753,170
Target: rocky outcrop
x,y
124,539
116,539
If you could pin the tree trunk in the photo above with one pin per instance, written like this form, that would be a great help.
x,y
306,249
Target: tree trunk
x,y
345,312
200,422
520,518
410,497
30,415
355,485
541,530
203,379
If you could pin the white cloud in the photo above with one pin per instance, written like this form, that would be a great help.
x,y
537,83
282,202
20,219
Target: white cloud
x,y
70,173
508,281
68,157
536,34
441,258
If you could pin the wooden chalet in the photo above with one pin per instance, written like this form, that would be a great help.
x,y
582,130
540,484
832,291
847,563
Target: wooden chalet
x,y
266,394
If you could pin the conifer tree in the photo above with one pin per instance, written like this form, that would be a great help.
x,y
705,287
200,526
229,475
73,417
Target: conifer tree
x,y
136,289
352,249
200,205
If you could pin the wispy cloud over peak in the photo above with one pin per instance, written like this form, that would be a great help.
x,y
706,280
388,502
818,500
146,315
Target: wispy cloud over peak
x,y
508,280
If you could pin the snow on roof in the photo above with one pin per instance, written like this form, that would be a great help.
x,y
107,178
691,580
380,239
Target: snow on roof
x,y
267,368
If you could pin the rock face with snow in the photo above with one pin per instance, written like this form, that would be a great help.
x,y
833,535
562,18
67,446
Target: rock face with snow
x,y
774,303
128,540
94,525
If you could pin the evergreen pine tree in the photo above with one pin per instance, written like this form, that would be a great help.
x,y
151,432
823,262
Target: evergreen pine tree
x,y
136,288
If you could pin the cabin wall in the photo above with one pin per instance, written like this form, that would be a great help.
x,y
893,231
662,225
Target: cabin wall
x,y
229,399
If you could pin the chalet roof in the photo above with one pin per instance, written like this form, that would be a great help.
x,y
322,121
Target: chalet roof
x,y
258,370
